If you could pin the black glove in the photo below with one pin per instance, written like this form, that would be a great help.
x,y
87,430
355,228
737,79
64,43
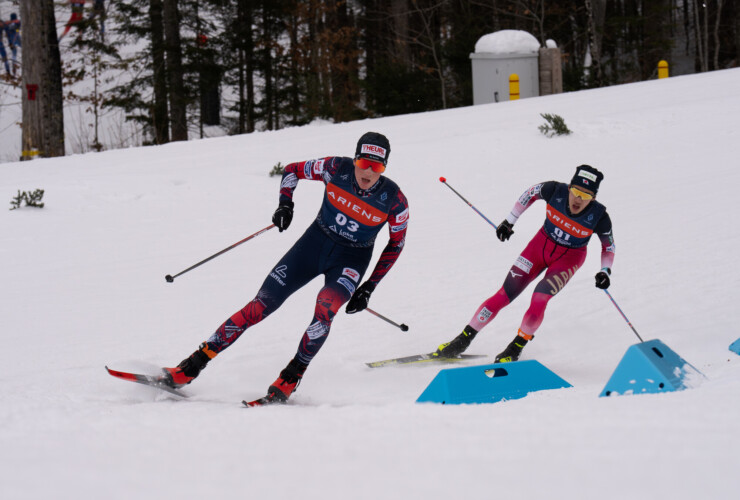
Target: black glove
x,y
283,215
504,230
360,298
602,279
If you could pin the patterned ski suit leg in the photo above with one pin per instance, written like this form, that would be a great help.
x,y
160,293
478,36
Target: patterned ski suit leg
x,y
297,267
525,269
328,302
343,268
562,264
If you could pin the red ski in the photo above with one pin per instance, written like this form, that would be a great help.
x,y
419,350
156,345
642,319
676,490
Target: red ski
x,y
258,402
158,382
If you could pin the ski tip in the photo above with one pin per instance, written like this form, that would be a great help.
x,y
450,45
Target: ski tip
x,y
442,179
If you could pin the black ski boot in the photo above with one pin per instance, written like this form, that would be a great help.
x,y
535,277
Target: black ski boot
x,y
514,349
458,344
190,367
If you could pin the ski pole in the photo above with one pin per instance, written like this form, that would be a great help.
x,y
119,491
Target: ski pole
x,y
170,278
444,181
403,327
620,312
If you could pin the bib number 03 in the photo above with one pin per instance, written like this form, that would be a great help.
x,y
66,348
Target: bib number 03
x,y
343,220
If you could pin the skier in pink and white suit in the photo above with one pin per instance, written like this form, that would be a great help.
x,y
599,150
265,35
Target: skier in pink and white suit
x,y
558,249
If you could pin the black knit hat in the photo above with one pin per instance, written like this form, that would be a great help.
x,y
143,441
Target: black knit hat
x,y
587,177
373,146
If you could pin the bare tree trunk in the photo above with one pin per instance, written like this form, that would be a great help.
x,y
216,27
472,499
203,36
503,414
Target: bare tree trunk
x,y
496,19
596,17
702,40
43,112
160,118
736,7
432,37
342,63
245,15
242,120
178,100
323,54
400,19
267,66
687,26
716,34
294,49
314,102
706,35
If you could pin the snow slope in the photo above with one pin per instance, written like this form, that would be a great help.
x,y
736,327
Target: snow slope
x,y
83,286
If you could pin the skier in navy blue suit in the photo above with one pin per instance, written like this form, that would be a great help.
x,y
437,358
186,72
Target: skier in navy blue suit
x,y
358,201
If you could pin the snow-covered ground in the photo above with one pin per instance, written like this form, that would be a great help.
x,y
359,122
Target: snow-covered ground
x,y
83,286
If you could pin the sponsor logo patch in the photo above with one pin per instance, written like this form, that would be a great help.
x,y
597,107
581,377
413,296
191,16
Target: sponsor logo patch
x,y
348,271
395,229
316,330
307,169
402,217
371,149
484,315
318,167
587,175
279,274
566,224
531,193
523,264
351,205
347,284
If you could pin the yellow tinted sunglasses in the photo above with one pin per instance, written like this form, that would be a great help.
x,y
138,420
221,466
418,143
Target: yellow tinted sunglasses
x,y
581,194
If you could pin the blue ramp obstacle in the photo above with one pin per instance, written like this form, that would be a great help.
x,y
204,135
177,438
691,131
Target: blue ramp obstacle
x,y
651,367
490,383
735,346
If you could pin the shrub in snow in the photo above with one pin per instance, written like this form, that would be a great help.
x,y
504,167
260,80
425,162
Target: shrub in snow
x,y
278,169
555,125
32,199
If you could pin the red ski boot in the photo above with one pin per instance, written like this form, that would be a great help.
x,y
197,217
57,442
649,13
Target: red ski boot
x,y
283,387
189,368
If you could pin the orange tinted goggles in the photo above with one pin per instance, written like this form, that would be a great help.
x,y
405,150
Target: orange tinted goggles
x,y
364,164
581,194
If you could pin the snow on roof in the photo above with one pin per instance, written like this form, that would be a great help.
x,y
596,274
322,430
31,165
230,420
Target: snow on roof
x,y
507,42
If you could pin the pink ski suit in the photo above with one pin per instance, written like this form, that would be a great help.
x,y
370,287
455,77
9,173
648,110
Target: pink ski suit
x,y
559,247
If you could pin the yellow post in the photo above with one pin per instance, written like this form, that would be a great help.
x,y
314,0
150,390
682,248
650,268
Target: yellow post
x,y
29,154
663,69
513,87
